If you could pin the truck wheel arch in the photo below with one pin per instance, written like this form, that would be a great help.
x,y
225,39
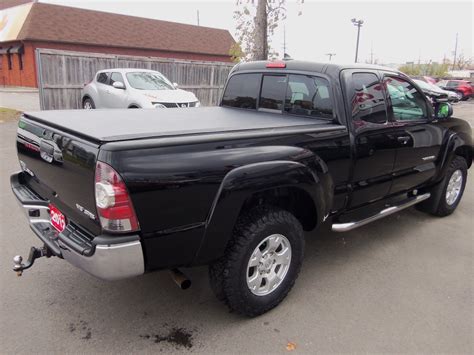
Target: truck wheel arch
x,y
256,183
457,145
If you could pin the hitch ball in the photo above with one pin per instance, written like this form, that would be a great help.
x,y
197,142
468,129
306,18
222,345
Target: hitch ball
x,y
35,253
17,266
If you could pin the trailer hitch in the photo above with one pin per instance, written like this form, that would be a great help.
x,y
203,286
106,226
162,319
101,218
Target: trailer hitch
x,y
35,253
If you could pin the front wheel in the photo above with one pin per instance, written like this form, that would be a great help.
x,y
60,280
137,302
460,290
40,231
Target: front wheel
x,y
88,104
261,263
446,195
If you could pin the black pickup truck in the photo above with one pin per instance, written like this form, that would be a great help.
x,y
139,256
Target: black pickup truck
x,y
293,144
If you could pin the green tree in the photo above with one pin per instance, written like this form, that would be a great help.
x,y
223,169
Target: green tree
x,y
431,69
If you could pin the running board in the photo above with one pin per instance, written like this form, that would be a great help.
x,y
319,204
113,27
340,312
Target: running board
x,y
344,227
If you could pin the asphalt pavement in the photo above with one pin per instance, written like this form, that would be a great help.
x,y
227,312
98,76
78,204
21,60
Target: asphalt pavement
x,y
404,284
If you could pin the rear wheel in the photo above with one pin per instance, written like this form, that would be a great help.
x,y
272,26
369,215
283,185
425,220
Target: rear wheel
x,y
88,104
447,194
261,263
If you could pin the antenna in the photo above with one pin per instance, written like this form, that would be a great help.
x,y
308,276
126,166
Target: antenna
x,y
284,40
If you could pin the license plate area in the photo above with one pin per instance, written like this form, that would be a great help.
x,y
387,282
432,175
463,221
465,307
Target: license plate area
x,y
58,220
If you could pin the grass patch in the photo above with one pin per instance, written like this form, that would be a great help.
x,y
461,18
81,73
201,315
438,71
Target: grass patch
x,y
7,114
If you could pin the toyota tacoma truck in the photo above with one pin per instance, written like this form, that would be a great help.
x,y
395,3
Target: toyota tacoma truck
x,y
293,144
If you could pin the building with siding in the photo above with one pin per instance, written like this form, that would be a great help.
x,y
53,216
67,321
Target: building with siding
x,y
26,26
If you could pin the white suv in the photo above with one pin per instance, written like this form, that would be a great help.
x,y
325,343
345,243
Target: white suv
x,y
134,88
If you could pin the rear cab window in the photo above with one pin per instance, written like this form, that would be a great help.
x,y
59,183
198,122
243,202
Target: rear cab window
x,y
294,94
242,91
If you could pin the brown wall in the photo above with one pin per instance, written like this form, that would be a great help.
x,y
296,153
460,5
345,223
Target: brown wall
x,y
27,76
15,76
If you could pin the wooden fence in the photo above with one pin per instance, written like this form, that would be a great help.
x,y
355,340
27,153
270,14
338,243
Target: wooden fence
x,y
62,75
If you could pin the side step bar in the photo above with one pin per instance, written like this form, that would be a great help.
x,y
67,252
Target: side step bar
x,y
344,227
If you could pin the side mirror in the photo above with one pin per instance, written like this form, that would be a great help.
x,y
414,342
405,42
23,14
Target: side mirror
x,y
175,85
118,85
444,110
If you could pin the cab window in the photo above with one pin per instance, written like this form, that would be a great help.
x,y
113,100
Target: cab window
x,y
367,102
242,91
308,96
273,92
407,103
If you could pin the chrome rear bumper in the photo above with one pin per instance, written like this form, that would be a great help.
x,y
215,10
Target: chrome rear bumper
x,y
106,257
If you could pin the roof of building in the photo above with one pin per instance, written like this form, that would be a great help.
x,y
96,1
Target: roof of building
x,y
56,23
5,4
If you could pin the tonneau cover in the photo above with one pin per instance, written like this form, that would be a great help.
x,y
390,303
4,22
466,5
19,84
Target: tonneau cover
x,y
120,125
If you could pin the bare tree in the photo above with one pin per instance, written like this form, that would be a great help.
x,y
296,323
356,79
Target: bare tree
x,y
256,23
463,62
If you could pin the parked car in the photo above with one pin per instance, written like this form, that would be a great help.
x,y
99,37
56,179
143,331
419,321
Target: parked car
x,y
293,145
436,92
134,88
462,87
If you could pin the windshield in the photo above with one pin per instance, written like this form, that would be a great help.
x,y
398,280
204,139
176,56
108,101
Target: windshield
x,y
148,81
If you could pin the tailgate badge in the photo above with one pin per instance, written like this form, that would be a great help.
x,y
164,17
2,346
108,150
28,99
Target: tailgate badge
x,y
86,212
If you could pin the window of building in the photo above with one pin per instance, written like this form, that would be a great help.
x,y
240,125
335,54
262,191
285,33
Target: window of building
x,y
9,59
368,103
20,60
309,96
242,91
408,103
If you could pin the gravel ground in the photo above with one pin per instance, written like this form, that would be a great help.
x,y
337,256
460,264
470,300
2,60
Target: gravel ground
x,y
403,284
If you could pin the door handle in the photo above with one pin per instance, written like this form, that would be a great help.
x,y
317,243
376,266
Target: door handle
x,y
403,139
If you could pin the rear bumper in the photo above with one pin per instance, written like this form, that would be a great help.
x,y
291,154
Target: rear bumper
x,y
106,257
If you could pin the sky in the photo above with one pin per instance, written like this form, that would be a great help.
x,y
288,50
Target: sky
x,y
393,31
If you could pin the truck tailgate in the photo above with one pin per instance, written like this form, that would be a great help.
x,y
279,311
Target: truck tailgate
x,y
60,167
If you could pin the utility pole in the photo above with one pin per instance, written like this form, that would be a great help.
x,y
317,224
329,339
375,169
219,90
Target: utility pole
x,y
455,52
371,54
198,17
261,51
359,24
330,55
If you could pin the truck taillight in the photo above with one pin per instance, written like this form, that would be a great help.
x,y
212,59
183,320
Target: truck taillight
x,y
113,202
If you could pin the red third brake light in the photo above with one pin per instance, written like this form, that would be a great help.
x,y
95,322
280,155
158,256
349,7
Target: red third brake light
x,y
113,202
276,64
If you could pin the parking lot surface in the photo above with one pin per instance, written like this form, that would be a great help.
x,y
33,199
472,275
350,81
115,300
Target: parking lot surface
x,y
402,284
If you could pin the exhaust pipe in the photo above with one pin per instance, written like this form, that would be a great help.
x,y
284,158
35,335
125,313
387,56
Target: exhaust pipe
x,y
180,279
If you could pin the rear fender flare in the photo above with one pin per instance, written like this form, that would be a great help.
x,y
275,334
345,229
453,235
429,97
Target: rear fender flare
x,y
241,183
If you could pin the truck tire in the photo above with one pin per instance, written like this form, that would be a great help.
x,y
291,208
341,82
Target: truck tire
x,y
261,262
446,195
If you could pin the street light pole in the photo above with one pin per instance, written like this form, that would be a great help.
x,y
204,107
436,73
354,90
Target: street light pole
x,y
330,55
359,24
